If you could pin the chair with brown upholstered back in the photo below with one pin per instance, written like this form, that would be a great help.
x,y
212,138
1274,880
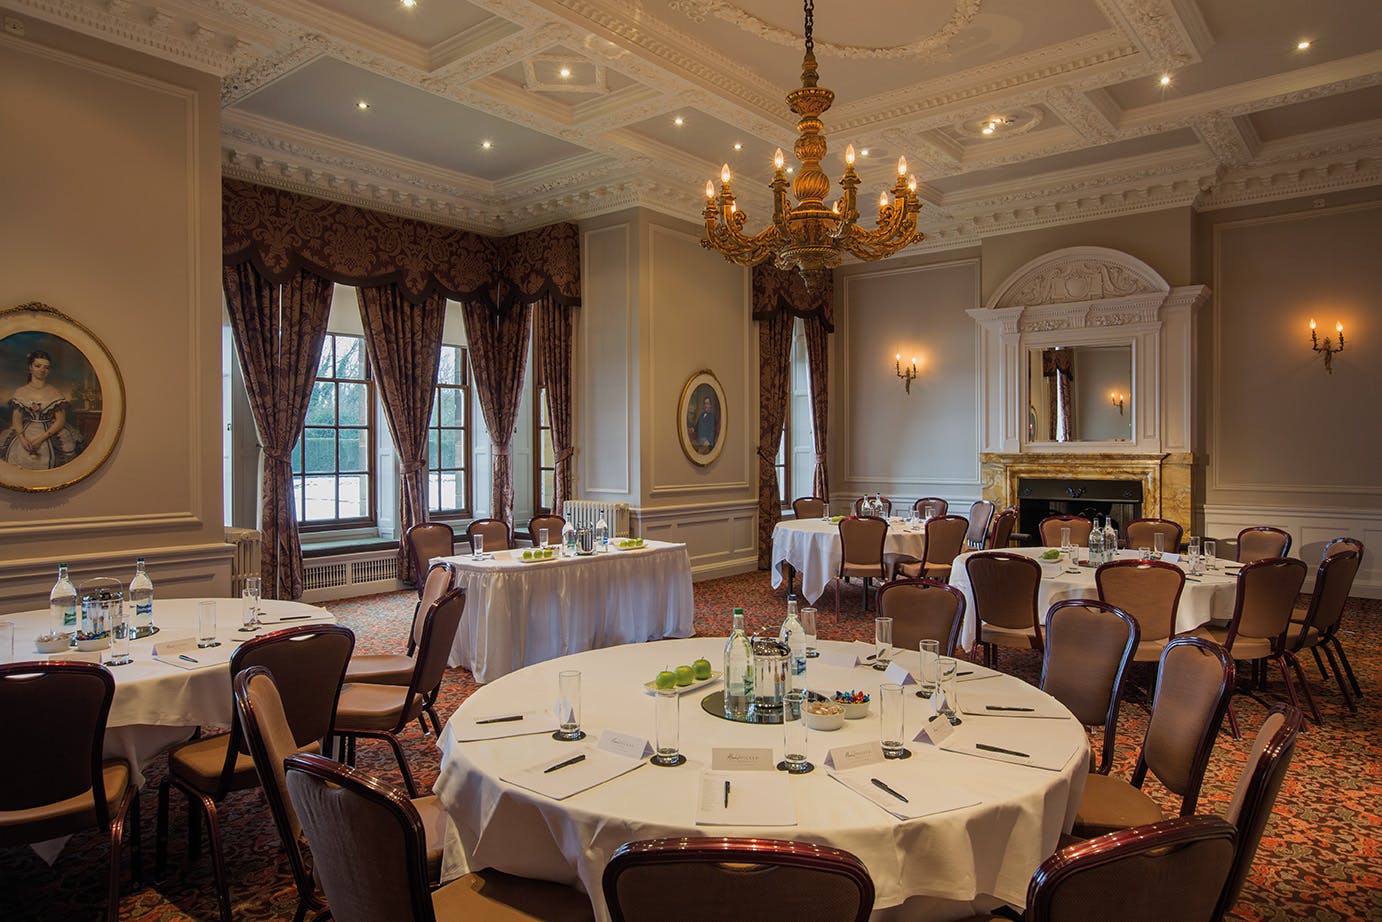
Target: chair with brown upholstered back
x,y
1089,645
1192,692
1004,587
494,532
383,711
938,506
1258,786
308,664
1050,527
923,609
1143,532
1173,869
369,851
887,505
1339,545
270,741
1317,627
1149,590
54,780
1000,534
553,523
1262,608
945,540
1261,542
716,878
980,515
425,541
808,507
861,553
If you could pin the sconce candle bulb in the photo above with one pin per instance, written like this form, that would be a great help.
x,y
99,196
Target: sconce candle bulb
x,y
908,375
1326,347
1118,401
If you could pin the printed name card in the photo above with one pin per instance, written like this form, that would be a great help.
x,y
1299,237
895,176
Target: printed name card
x,y
937,730
172,646
844,659
625,744
756,760
842,757
897,673
1168,557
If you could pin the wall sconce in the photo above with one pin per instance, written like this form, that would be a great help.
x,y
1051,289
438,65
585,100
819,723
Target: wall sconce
x,y
1327,347
1117,399
908,375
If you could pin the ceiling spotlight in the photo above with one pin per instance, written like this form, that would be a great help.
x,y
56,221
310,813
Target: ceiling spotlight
x,y
409,3
362,105
1303,44
987,129
791,169
1165,80
678,121
565,72
738,146
864,152
487,144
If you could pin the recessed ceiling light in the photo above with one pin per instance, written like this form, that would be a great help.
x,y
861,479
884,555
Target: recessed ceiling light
x,y
738,146
678,121
1165,80
409,3
362,105
565,72
791,169
487,144
987,129
864,152
1303,44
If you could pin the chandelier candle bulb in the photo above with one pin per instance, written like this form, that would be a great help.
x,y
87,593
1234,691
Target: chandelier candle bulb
x,y
901,166
709,189
778,159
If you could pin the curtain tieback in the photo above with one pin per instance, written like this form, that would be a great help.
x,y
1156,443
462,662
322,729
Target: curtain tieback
x,y
413,467
273,454
565,454
770,457
501,452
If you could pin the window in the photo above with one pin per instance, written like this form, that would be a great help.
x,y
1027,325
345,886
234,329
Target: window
x,y
333,462
545,474
783,454
448,438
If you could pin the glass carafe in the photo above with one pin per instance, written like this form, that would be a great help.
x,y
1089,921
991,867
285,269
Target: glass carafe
x,y
771,678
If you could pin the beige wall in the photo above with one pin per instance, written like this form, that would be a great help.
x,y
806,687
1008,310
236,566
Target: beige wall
x,y
111,191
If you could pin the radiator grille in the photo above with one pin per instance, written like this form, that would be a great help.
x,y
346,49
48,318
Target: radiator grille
x,y
247,544
585,513
369,571
325,575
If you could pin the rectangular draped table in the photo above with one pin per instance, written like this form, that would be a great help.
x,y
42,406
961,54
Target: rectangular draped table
x,y
521,612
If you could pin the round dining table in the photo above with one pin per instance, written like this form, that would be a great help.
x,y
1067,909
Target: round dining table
x,y
812,548
1206,597
944,865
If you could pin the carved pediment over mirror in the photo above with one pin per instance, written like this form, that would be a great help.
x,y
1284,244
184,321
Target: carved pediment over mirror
x,y
1078,275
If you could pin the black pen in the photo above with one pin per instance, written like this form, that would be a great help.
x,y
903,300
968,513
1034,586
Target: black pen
x,y
188,658
726,795
1004,707
291,618
571,761
499,720
966,672
882,786
1007,752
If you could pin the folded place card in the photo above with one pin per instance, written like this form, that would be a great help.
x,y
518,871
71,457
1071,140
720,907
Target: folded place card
x,y
172,645
500,724
936,731
628,745
843,757
569,772
843,659
739,760
903,792
898,673
736,799
1168,557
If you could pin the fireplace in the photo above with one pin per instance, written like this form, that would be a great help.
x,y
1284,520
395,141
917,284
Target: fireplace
x,y
1038,497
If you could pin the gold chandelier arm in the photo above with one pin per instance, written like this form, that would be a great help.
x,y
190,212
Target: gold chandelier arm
x,y
724,234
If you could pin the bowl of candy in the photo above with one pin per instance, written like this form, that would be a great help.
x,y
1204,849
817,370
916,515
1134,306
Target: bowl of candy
x,y
824,715
52,643
855,703
88,641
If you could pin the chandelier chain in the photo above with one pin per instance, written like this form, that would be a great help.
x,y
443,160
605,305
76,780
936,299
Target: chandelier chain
x,y
809,7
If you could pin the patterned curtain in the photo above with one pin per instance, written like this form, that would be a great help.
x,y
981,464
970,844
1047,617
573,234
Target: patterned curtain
x,y
1059,366
404,342
498,349
818,360
774,391
279,332
553,357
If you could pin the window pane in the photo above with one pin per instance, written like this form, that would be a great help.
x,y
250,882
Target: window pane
x,y
446,371
354,450
320,498
450,492
449,407
354,404
549,489
326,363
544,420
350,360
297,497
321,407
436,404
549,455
354,497
432,452
320,448
448,450
297,457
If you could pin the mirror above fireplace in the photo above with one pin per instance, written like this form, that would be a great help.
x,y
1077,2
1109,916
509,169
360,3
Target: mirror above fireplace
x,y
1080,393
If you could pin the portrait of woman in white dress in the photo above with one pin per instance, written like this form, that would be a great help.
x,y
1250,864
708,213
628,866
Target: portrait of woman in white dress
x,y
41,432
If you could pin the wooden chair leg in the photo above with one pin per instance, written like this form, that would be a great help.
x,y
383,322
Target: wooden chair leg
x,y
1324,673
1339,678
1288,656
1233,721
213,828
402,764
113,898
1348,667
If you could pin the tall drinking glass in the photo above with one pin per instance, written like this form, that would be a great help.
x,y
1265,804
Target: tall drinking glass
x,y
948,668
249,604
807,617
121,630
1195,562
892,723
929,674
569,706
542,537
668,707
1211,557
477,546
1068,552
206,625
794,733
882,642
1158,545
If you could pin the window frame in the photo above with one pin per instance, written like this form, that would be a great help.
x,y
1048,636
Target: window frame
x,y
466,511
539,407
371,473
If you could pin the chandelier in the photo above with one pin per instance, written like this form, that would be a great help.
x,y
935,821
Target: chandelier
x,y
812,236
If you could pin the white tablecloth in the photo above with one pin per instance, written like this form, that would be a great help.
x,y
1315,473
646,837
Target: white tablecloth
x,y
1206,598
518,613
157,704
812,548
935,865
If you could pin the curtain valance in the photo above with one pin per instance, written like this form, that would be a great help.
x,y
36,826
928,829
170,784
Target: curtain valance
x,y
283,232
782,290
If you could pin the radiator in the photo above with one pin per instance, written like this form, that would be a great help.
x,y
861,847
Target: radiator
x,y
585,513
246,559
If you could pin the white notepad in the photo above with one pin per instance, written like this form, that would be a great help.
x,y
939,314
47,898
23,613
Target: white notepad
x,y
925,796
1032,740
531,721
595,769
755,799
988,700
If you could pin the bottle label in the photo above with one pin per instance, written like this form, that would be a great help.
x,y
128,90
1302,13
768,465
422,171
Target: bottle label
x,y
144,610
69,617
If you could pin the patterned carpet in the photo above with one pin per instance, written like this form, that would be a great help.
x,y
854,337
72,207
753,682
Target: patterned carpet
x,y
1320,858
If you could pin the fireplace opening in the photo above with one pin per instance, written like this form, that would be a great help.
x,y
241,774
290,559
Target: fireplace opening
x,y
1037,498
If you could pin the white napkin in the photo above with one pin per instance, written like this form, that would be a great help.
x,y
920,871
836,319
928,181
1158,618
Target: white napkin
x,y
1039,747
755,799
595,769
470,730
925,796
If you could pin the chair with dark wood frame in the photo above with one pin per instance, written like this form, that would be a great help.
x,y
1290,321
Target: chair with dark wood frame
x,y
554,525
495,532
1004,588
1317,628
923,609
715,877
945,540
53,724
1260,542
808,507
425,541
1049,530
938,506
1339,545
309,663
1150,591
861,553
887,505
1089,646
980,515
1000,534
1142,532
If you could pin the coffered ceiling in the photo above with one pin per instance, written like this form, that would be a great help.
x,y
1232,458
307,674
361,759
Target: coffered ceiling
x,y
500,115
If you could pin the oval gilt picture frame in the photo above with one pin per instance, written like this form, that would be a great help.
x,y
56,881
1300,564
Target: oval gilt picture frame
x,y
702,418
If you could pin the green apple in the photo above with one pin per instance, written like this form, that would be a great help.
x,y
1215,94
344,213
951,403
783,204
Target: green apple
x,y
685,675
527,555
665,679
701,668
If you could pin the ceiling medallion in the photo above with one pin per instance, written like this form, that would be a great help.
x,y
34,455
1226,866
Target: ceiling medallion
x,y
811,236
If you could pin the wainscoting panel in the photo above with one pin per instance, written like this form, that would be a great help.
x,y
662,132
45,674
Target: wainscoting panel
x,y
177,572
720,537
1310,529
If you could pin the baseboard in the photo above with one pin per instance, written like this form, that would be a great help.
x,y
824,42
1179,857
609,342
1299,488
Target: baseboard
x,y
720,568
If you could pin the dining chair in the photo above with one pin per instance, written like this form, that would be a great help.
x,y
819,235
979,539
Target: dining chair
x,y
1150,591
923,609
553,523
1050,527
494,532
425,541
980,515
808,507
887,505
383,711
1316,628
861,553
945,540
1000,535
54,780
1256,793
1192,692
1089,646
309,663
1143,532
741,878
369,852
1265,599
1262,541
1339,545
270,741
938,506
1004,587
